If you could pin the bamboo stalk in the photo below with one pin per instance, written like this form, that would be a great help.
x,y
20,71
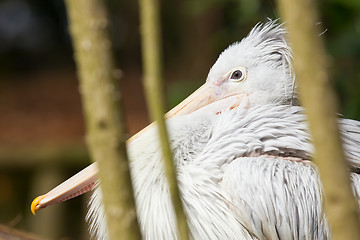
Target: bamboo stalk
x,y
150,31
104,120
320,105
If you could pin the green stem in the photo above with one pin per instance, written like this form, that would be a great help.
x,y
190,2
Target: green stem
x,y
149,18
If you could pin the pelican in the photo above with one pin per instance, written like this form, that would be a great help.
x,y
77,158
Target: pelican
x,y
242,151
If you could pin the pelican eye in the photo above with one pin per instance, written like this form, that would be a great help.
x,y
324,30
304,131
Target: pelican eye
x,y
238,75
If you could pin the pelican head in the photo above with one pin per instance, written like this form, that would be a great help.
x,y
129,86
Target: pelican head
x,y
259,66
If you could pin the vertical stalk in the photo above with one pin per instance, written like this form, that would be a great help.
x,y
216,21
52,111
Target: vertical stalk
x,y
150,30
320,105
104,120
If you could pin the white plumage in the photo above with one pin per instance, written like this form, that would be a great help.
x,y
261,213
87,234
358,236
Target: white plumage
x,y
245,173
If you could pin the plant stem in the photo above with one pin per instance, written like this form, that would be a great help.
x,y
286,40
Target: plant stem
x,y
104,119
150,30
320,105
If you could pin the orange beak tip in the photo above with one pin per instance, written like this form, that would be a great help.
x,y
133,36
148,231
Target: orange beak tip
x,y
35,204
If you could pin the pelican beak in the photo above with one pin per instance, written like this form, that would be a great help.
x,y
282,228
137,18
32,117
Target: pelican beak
x,y
86,179
80,183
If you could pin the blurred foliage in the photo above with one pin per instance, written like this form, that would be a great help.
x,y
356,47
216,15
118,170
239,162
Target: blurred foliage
x,y
342,21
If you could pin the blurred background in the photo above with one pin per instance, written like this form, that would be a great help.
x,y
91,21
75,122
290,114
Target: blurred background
x,y
41,120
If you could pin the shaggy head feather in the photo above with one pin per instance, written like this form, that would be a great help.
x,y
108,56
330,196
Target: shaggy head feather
x,y
266,56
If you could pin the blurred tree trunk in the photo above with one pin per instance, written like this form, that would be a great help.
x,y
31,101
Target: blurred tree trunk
x,y
319,101
150,30
104,120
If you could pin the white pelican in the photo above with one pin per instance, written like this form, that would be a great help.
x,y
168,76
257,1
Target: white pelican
x,y
242,152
